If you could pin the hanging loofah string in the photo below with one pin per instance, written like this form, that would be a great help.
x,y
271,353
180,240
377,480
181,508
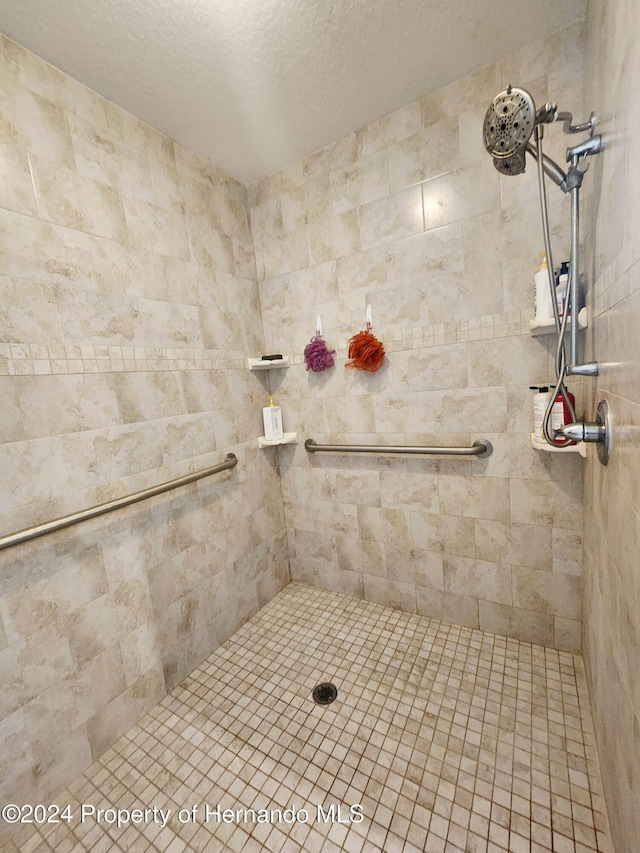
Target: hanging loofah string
x,y
365,351
317,356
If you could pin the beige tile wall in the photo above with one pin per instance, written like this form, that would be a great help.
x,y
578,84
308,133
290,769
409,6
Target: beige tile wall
x,y
409,215
612,495
128,306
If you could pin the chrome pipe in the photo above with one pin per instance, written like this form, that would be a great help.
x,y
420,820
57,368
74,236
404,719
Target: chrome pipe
x,y
574,267
575,174
29,533
480,448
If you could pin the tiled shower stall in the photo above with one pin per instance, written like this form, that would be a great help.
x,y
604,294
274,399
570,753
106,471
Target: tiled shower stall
x,y
136,279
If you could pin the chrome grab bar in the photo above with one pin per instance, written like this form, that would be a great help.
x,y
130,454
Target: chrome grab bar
x,y
480,448
230,461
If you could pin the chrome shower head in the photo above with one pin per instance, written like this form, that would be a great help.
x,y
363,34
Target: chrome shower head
x,y
507,128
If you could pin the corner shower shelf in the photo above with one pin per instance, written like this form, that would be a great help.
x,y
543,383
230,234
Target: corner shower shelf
x,y
541,444
259,364
548,327
287,438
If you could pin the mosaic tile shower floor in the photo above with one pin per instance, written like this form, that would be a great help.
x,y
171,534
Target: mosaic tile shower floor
x,y
450,740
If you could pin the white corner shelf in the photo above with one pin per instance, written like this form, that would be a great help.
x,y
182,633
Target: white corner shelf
x,y
260,364
548,327
541,444
287,438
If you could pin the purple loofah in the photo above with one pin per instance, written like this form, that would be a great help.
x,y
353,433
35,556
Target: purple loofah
x,y
316,355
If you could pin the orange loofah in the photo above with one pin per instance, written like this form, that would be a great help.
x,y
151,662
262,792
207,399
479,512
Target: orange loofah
x,y
366,352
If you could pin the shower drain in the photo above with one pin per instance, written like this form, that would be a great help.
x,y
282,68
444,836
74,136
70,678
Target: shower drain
x,y
324,693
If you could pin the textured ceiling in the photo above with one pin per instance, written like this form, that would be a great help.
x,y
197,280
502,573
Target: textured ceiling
x,y
256,84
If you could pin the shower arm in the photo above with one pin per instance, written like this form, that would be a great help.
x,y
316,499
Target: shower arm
x,y
567,118
549,114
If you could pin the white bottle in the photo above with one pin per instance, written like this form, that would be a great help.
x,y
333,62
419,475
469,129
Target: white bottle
x,y
540,403
544,305
272,418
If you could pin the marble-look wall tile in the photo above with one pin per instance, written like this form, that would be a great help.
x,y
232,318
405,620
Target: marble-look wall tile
x,y
448,534
11,423
547,502
16,188
358,555
532,625
389,129
105,157
506,361
359,183
32,665
458,609
391,218
34,124
52,464
58,586
478,578
100,680
413,565
44,404
430,152
119,715
30,311
68,198
475,497
386,525
390,593
409,490
460,194
440,250
519,544
547,592
160,229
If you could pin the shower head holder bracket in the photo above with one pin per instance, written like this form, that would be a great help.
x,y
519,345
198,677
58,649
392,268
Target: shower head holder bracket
x,y
592,145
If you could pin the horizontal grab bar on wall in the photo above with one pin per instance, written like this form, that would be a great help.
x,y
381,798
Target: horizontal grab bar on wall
x,y
230,461
480,448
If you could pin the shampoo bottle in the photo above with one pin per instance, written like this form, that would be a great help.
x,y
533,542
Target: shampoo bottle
x,y
562,287
272,418
544,305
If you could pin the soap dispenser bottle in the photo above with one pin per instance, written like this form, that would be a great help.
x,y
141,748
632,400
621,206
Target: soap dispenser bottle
x,y
272,418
